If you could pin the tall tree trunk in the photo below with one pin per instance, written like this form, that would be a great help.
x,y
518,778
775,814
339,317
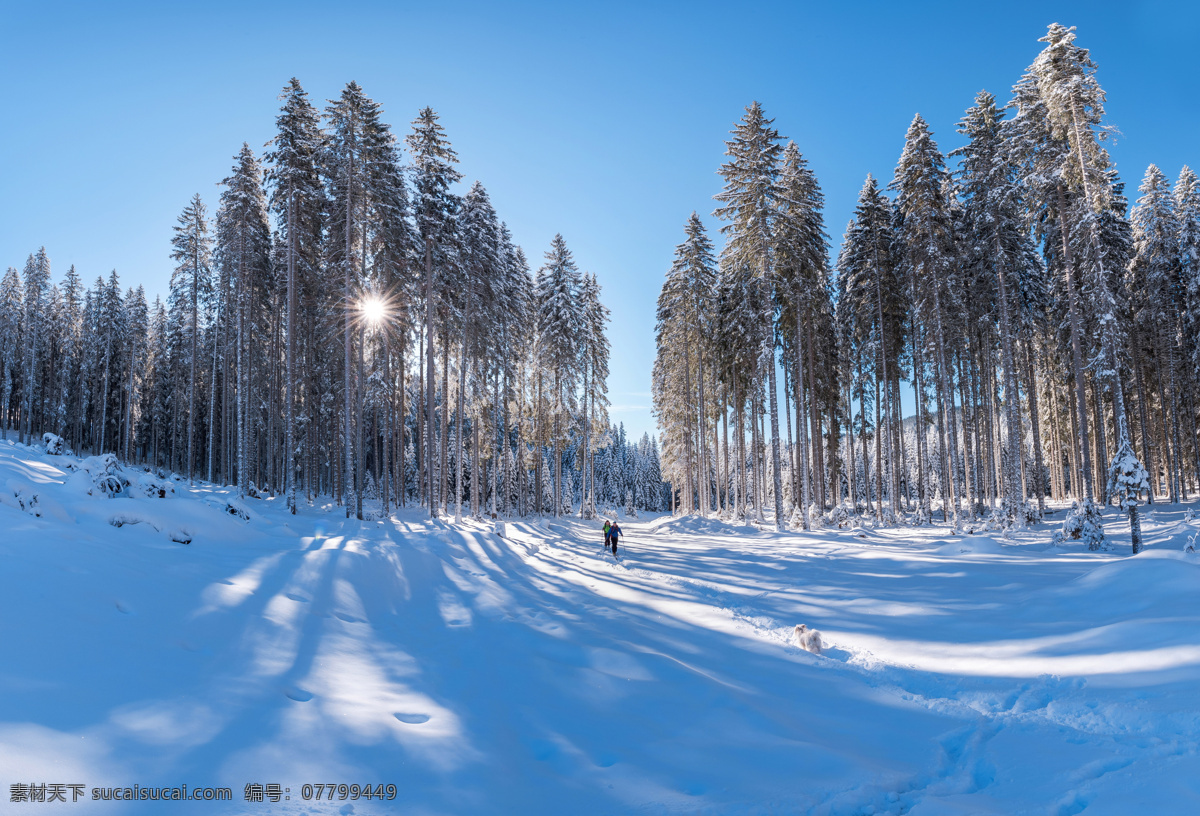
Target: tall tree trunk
x,y
427,453
780,522
1076,348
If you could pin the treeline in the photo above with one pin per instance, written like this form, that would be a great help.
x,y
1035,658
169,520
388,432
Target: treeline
x,y
347,324
1039,324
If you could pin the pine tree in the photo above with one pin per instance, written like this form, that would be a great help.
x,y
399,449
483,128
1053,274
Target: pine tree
x,y
802,250
11,296
751,206
243,253
190,283
594,349
37,285
1001,246
1157,270
1127,480
925,233
871,302
297,199
434,208
558,321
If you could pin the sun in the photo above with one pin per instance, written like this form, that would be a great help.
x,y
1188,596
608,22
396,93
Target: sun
x,y
373,310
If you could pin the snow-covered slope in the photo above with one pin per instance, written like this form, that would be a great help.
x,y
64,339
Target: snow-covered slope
x,y
515,669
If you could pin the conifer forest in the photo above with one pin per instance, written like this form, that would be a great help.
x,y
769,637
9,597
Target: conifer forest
x,y
1042,320
345,325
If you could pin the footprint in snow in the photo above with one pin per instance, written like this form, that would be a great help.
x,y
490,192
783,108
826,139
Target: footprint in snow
x,y
411,719
298,694
292,596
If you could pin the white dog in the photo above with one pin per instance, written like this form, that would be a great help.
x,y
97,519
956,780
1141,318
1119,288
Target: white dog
x,y
808,639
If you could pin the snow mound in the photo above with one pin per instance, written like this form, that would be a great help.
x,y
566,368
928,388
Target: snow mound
x,y
695,525
1150,573
971,545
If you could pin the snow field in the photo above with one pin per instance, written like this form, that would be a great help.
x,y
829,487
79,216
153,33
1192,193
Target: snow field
x,y
527,672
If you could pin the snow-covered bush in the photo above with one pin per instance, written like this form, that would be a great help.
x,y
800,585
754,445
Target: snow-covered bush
x,y
1189,515
1126,481
1029,511
1083,523
21,497
55,446
229,506
839,517
152,487
888,518
102,475
630,506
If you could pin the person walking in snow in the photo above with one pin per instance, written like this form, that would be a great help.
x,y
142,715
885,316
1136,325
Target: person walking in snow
x,y
607,527
613,532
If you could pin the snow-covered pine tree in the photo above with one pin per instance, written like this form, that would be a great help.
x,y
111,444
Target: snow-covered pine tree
x,y
871,301
999,244
243,245
297,199
685,349
36,324
750,199
1157,287
925,234
593,349
558,320
434,207
1127,480
802,260
1073,102
11,297
134,350
479,262
190,284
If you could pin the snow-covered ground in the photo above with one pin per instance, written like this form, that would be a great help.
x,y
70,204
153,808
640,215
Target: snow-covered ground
x,y
524,672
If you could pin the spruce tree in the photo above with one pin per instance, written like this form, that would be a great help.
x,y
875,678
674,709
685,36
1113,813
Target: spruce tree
x,y
750,200
190,283
434,207
297,200
558,321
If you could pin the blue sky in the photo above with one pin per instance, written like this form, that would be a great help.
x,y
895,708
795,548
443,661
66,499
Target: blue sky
x,y
603,122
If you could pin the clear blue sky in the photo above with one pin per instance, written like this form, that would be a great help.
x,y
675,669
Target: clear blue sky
x,y
605,123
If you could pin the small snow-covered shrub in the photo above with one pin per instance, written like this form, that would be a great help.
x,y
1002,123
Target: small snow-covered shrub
x,y
1029,511
1191,545
231,507
55,446
887,518
630,507
1189,515
104,472
1127,480
21,497
152,487
1083,523
839,517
